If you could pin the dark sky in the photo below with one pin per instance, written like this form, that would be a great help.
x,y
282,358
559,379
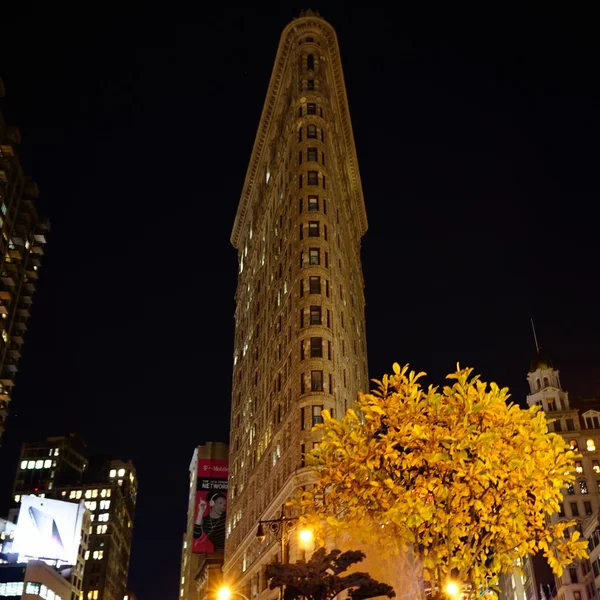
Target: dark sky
x,y
477,135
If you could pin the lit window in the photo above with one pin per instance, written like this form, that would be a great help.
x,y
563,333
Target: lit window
x,y
23,464
583,486
316,381
32,588
121,472
104,504
18,498
39,464
72,494
316,413
31,464
47,464
574,445
78,494
596,466
94,493
113,472
87,555
314,256
591,446
578,466
88,493
56,452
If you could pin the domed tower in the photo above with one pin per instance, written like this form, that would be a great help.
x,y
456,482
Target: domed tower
x,y
300,342
544,385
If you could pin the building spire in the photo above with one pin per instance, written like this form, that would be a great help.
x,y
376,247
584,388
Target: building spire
x,y
537,346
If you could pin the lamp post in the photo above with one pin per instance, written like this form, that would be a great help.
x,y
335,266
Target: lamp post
x,y
281,526
224,593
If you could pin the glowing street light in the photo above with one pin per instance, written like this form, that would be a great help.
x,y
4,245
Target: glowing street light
x,y
305,537
225,593
452,589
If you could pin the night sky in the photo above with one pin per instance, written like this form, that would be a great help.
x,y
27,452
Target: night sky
x,y
477,134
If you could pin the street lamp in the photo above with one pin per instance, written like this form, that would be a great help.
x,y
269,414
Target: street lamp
x,y
452,589
225,593
281,526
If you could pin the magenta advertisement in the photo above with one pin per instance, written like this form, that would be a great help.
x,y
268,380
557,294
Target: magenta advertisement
x,y
210,512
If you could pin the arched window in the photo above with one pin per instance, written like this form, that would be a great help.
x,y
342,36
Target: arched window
x,y
590,445
574,445
538,381
545,382
311,132
310,62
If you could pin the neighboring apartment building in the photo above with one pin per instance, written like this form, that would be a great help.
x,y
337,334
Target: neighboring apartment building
x,y
22,239
59,467
300,342
579,424
201,561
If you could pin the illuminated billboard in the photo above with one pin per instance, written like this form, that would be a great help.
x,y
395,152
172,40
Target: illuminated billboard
x,y
210,512
48,529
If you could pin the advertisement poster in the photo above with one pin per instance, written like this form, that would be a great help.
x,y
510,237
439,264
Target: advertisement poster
x,y
48,529
211,505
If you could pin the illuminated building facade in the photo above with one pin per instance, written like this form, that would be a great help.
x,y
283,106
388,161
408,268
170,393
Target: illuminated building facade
x,y
580,427
59,467
299,323
201,570
22,239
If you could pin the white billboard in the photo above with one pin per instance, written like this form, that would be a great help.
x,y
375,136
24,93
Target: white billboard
x,y
48,529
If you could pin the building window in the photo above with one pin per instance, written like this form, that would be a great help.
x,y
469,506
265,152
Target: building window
x,y
300,206
314,256
313,178
313,203
313,229
574,445
588,508
325,232
329,318
301,231
574,509
590,445
323,158
301,318
315,315
311,132
573,576
299,157
302,453
324,182
327,287
310,84
310,62
311,109
561,510
557,426
578,466
331,385
316,381
571,489
301,349
317,419
576,595
311,154
302,391
596,466
551,404
570,425
592,423
583,488
316,347
314,284
329,358
300,181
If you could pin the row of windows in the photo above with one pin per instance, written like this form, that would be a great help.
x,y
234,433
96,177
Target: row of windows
x,y
314,286
314,230
590,444
314,258
315,348
312,133
316,382
310,108
315,414
312,178
587,507
315,317
581,485
313,204
312,155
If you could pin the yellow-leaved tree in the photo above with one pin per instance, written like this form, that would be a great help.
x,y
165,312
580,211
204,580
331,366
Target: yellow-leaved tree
x,y
460,479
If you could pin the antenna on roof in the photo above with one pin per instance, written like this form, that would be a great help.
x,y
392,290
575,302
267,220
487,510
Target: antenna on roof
x,y
537,346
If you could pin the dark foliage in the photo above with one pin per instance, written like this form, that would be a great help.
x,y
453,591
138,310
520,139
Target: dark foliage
x,y
320,578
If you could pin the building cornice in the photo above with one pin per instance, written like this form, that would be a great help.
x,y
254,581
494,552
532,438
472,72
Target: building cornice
x,y
274,94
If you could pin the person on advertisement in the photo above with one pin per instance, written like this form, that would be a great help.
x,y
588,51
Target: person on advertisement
x,y
212,525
